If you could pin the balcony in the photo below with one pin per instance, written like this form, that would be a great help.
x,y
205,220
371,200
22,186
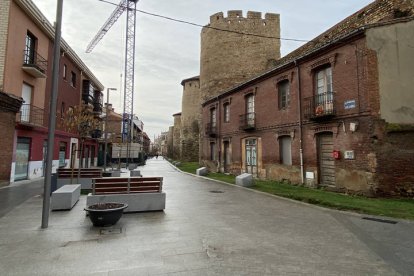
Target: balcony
x,y
31,115
211,130
96,133
97,108
34,64
321,106
247,121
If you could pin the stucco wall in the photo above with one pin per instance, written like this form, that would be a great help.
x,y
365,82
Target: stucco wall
x,y
394,46
14,76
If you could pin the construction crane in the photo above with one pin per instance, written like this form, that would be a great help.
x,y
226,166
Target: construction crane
x,y
128,112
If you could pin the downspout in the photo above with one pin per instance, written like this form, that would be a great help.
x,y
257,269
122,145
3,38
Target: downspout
x,y
300,124
218,134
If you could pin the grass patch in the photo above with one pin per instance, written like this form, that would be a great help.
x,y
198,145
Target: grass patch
x,y
222,177
189,167
397,208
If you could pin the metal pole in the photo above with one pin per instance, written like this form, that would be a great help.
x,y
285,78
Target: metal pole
x,y
106,125
52,115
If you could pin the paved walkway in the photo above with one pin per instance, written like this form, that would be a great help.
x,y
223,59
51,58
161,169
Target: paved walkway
x,y
207,228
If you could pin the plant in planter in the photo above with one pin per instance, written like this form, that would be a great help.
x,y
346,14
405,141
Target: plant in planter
x,y
105,214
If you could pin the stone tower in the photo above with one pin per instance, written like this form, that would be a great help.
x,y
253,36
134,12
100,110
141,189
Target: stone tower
x,y
176,150
190,118
229,58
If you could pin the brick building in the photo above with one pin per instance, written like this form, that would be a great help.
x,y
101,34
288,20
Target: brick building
x,y
337,112
26,58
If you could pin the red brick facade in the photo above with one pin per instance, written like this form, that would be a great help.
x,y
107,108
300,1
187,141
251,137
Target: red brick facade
x,y
372,157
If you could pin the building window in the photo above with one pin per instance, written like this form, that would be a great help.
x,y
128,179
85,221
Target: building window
x,y
62,110
213,117
285,150
73,79
213,151
283,94
323,81
226,108
30,49
64,71
62,154
250,115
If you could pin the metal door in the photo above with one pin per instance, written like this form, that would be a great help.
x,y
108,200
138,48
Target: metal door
x,y
251,156
325,159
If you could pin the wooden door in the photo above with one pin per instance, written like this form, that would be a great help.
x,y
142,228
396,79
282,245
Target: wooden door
x,y
325,159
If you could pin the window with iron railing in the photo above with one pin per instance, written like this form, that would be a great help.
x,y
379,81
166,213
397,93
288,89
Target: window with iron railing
x,y
33,63
31,115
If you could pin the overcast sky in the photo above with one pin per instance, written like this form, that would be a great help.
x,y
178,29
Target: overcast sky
x,y
168,52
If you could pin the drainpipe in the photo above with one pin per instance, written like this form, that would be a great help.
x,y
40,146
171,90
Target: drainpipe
x,y
300,124
218,134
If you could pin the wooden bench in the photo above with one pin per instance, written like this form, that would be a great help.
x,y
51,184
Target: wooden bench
x,y
65,197
140,193
69,176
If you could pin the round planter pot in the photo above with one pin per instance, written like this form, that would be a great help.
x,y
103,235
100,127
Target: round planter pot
x,y
105,214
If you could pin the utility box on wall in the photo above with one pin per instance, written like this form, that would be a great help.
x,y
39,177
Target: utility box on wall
x,y
336,154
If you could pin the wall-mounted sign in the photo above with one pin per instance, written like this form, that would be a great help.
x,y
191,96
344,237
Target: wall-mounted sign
x,y
349,155
310,175
349,104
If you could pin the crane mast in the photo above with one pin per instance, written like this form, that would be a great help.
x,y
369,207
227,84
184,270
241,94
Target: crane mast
x,y
128,111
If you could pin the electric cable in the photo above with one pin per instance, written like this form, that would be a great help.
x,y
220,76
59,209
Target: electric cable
x,y
208,27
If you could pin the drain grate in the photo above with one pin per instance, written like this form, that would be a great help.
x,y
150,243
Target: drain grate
x,y
216,192
380,220
110,231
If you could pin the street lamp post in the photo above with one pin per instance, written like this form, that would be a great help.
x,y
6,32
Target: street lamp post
x,y
106,125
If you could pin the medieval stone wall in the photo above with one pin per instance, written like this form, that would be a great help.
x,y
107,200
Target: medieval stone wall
x,y
176,150
228,57
190,118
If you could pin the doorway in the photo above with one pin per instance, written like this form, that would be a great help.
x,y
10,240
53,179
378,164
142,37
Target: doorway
x,y
226,156
325,159
22,159
251,156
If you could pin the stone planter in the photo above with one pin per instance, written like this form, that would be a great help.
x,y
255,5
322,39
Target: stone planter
x,y
105,214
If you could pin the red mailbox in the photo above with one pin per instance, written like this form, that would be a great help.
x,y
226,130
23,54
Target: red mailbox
x,y
336,154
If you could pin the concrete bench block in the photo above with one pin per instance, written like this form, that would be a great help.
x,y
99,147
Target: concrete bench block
x,y
137,202
132,166
202,171
115,173
65,197
135,173
86,183
245,180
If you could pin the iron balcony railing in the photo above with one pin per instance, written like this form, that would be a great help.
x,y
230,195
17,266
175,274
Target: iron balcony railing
x,y
248,121
320,106
211,129
97,107
33,59
31,115
96,133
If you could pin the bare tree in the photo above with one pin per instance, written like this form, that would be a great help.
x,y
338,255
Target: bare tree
x,y
81,121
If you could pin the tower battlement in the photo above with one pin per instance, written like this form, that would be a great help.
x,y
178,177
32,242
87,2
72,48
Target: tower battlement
x,y
236,16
